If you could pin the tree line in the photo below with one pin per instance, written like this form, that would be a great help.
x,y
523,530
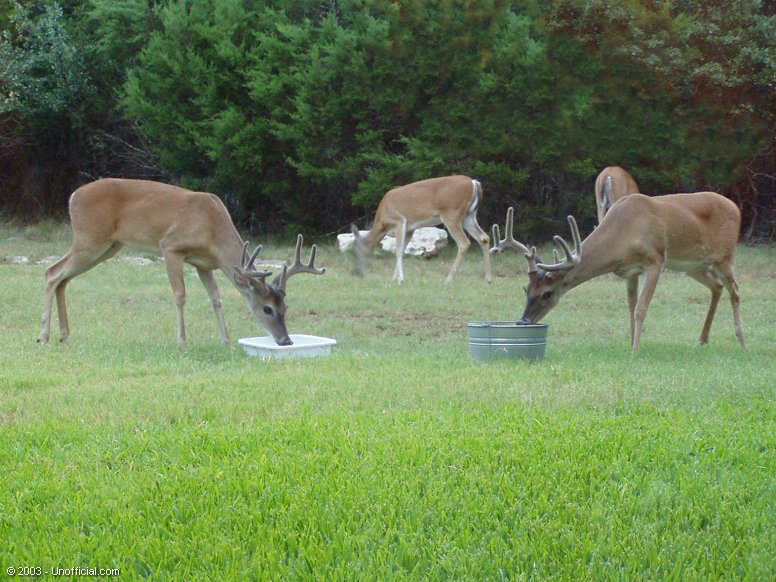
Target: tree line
x,y
301,114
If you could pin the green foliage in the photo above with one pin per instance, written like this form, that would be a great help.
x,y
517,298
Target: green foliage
x,y
59,78
114,33
42,72
303,114
681,89
314,109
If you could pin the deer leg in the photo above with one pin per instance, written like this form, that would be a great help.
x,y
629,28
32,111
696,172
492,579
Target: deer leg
x,y
650,278
54,276
401,244
76,261
407,238
460,238
632,288
729,281
706,276
91,262
209,281
173,263
735,303
471,226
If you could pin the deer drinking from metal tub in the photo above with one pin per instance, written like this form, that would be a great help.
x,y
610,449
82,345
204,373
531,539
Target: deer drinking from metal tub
x,y
187,227
452,201
693,233
612,184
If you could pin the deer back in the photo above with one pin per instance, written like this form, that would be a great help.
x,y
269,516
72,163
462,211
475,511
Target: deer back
x,y
143,213
448,196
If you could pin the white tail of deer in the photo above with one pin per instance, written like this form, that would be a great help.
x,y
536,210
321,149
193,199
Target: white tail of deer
x,y
186,227
452,201
693,233
612,184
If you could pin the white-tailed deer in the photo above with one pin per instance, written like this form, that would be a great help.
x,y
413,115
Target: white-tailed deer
x,y
693,233
187,227
452,201
612,184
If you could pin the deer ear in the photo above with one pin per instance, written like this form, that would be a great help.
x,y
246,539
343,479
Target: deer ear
x,y
279,281
247,282
355,231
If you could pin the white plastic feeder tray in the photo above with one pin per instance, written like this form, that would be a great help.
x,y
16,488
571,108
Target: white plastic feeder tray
x,y
304,346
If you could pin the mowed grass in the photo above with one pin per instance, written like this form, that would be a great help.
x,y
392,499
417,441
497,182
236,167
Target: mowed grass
x,y
398,457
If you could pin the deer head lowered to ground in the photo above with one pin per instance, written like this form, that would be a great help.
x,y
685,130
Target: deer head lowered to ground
x,y
693,233
452,201
186,227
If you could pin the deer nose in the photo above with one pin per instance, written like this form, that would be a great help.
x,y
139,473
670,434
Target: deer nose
x,y
284,341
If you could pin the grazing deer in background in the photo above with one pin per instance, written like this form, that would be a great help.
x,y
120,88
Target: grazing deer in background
x,y
693,233
612,184
452,201
187,227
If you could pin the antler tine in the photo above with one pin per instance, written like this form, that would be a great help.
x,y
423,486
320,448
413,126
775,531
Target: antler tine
x,y
509,242
575,234
298,266
246,264
572,258
249,264
564,245
496,237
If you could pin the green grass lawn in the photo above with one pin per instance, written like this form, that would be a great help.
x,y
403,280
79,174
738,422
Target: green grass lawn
x,y
398,457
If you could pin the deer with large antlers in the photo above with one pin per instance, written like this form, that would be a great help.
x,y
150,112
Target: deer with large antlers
x,y
693,233
452,201
612,184
187,227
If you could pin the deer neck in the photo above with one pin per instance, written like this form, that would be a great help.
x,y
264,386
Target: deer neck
x,y
596,259
230,254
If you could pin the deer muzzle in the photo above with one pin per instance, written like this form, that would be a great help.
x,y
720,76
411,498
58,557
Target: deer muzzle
x,y
528,319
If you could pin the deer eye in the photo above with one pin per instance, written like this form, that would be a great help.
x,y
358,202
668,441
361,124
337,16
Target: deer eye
x,y
267,309
546,295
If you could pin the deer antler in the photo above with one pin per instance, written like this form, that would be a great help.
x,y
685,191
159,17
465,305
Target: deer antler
x,y
509,242
298,266
572,258
247,262
246,266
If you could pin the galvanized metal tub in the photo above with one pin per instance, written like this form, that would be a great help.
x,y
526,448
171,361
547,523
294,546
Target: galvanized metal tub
x,y
506,340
